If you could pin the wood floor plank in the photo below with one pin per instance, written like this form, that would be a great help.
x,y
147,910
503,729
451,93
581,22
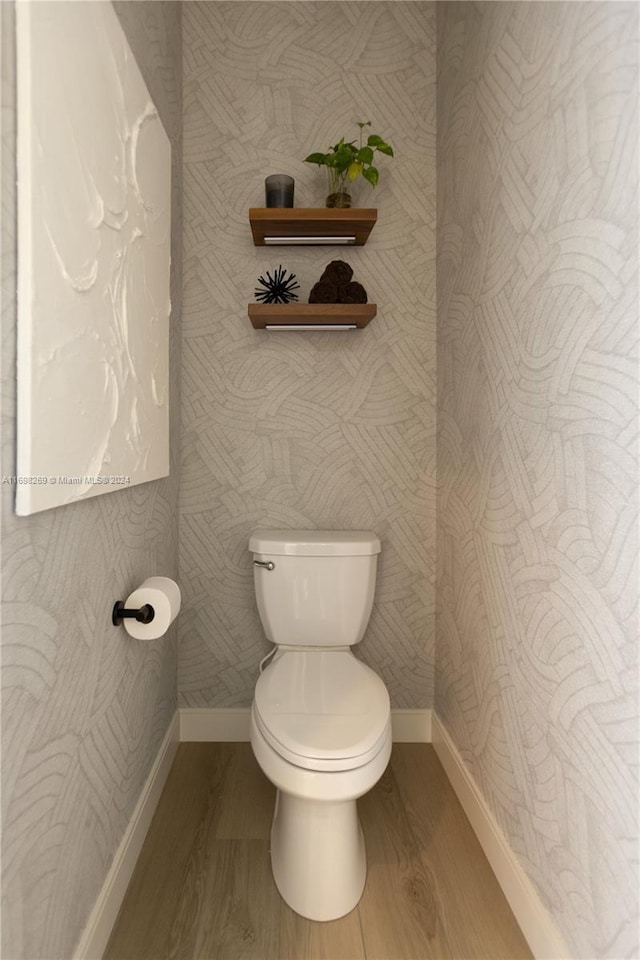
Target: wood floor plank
x,y
399,908
239,910
245,809
159,894
335,940
478,919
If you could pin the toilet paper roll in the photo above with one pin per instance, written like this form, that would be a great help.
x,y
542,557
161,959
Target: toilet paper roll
x,y
164,596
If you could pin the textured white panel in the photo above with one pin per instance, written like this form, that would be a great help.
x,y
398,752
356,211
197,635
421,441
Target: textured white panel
x,y
94,209
537,652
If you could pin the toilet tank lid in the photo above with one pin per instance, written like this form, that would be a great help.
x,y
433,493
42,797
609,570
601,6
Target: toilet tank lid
x,y
315,543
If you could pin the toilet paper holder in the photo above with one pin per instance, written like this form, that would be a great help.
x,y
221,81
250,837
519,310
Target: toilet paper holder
x,y
145,614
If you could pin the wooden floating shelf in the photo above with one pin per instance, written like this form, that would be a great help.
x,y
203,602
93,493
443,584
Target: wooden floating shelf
x,y
311,315
311,226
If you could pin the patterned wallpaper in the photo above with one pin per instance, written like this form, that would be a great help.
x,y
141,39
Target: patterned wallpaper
x,y
537,651
84,709
308,429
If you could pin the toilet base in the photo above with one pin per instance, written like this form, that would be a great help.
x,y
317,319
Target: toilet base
x,y
318,856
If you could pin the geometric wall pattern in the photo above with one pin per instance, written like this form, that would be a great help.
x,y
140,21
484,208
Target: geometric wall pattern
x,y
311,430
84,708
537,647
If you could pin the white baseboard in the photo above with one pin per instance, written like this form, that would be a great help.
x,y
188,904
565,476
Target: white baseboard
x,y
103,916
211,725
411,726
205,724
539,930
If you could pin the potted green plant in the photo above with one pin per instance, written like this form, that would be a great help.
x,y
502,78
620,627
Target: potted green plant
x,y
347,161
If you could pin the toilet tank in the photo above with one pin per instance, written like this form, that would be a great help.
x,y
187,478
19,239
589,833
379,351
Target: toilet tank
x,y
320,590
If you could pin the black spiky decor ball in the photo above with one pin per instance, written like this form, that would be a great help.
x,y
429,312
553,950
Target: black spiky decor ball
x,y
278,288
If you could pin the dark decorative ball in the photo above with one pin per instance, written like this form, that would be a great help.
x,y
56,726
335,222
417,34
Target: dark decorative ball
x,y
337,272
277,288
336,286
324,292
353,292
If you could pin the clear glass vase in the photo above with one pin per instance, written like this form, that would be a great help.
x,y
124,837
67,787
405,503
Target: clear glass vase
x,y
339,195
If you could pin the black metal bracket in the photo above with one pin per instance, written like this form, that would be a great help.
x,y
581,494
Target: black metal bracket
x,y
144,615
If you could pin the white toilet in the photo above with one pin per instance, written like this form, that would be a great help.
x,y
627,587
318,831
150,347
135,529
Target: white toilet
x,y
320,719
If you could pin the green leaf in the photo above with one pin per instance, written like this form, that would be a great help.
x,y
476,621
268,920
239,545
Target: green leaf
x,y
371,174
344,157
319,158
365,155
351,159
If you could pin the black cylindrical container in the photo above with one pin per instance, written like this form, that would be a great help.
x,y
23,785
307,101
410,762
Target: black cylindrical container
x,y
279,190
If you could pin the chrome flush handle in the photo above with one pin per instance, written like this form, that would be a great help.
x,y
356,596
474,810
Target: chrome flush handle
x,y
267,564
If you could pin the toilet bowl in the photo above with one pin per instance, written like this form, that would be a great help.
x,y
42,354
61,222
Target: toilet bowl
x,y
320,719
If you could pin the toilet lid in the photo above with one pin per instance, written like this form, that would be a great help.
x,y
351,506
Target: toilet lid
x,y
323,710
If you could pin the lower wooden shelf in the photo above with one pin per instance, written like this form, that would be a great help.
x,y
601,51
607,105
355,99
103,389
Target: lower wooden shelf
x,y
264,316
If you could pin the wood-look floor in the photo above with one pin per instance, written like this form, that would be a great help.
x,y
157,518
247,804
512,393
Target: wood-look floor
x,y
203,889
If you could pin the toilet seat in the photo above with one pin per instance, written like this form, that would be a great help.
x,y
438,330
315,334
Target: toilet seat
x,y
322,709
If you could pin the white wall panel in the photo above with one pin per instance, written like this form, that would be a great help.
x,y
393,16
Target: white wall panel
x,y
94,227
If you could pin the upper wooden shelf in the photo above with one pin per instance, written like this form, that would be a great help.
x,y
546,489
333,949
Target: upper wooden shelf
x,y
309,226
